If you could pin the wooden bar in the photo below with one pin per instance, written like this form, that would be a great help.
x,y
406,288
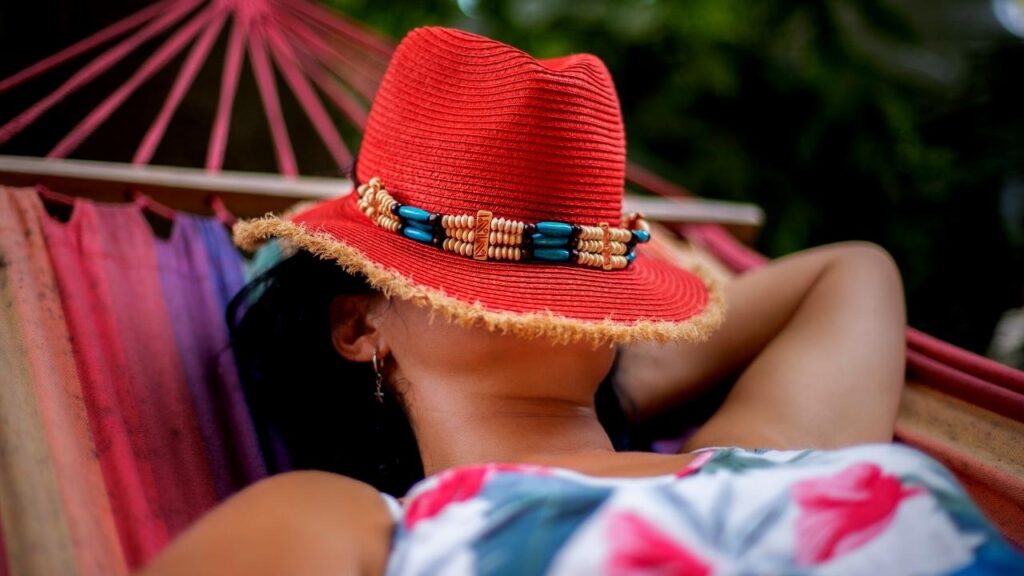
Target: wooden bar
x,y
250,194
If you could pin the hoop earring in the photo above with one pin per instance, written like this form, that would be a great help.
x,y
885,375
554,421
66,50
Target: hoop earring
x,y
379,393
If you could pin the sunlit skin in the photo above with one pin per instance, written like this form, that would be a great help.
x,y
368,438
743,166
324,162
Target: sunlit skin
x,y
814,342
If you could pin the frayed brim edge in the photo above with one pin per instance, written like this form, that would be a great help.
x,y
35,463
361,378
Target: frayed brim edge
x,y
249,234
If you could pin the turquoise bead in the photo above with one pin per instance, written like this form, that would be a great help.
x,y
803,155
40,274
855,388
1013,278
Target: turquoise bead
x,y
551,254
413,213
542,240
631,255
554,228
421,225
641,235
418,234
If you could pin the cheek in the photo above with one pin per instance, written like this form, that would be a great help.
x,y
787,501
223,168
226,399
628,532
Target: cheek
x,y
415,339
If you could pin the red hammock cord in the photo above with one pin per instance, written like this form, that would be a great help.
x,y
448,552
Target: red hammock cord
x,y
228,87
271,104
288,64
365,83
174,44
193,62
112,31
93,69
286,35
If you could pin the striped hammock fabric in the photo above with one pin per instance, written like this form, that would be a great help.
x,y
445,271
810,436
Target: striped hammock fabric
x,y
122,418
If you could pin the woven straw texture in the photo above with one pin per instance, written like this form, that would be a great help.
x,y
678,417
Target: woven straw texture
x,y
462,123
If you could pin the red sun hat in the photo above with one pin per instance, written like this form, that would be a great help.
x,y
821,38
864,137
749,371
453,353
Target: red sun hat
x,y
489,188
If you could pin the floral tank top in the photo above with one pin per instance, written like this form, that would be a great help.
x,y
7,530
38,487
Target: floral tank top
x,y
873,509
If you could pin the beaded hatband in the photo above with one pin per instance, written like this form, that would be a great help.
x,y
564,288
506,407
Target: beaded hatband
x,y
482,236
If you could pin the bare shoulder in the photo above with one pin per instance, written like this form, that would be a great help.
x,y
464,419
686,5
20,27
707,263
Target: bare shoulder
x,y
295,523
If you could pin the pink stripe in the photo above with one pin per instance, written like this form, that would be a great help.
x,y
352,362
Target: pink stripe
x,y
153,64
969,388
311,104
965,361
112,31
363,82
193,62
95,68
271,105
228,86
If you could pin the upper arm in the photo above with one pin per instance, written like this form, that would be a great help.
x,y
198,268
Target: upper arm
x,y
296,523
815,342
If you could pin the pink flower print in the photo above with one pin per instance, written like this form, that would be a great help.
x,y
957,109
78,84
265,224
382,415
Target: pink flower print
x,y
638,547
458,485
695,464
841,513
452,486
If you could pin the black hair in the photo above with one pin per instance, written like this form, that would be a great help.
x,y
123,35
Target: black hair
x,y
314,409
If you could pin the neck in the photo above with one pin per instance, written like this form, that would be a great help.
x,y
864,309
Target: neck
x,y
479,420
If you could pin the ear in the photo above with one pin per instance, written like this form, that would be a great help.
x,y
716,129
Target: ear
x,y
354,331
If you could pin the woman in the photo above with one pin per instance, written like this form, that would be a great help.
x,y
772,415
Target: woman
x,y
485,273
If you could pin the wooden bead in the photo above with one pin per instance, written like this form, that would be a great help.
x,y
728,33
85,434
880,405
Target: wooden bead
x,y
600,246
505,238
459,247
590,233
387,223
588,259
504,253
620,234
463,234
507,226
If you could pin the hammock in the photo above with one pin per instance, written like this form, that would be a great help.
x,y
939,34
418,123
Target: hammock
x,y
66,505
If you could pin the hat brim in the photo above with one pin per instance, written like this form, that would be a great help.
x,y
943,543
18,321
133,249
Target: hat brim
x,y
651,300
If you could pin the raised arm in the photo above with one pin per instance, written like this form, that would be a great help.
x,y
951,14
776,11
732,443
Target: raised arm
x,y
817,340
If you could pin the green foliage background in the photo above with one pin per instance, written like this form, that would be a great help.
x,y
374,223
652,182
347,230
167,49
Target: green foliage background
x,y
804,108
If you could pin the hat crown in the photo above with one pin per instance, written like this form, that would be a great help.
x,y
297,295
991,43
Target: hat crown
x,y
462,123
